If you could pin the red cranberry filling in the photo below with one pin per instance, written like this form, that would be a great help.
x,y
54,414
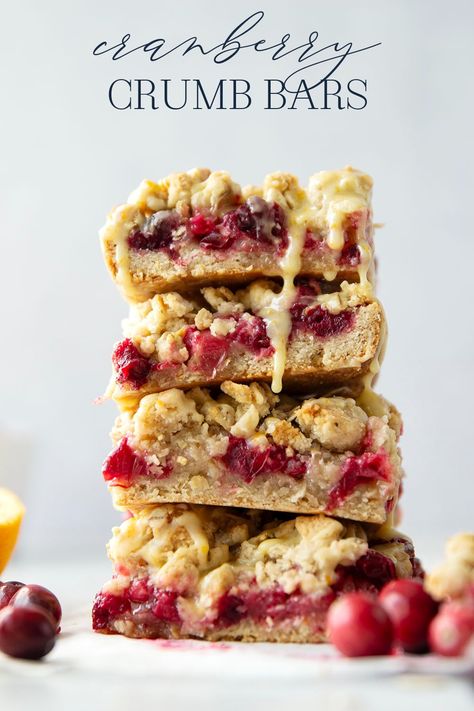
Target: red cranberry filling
x,y
350,253
254,220
369,574
308,316
164,606
273,603
367,466
124,465
106,608
249,462
252,333
130,365
254,604
207,352
157,231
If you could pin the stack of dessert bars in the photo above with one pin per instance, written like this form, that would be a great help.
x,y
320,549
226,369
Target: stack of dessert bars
x,y
258,470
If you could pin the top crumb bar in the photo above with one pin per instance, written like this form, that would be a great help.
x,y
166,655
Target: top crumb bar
x,y
199,228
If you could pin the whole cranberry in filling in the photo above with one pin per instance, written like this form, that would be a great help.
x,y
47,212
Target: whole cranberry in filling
x,y
207,352
124,465
359,627
248,462
200,225
252,333
157,231
130,365
411,610
256,219
377,567
319,320
355,470
164,606
107,607
139,590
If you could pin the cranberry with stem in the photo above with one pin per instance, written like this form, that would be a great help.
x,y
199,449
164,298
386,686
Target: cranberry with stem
x,y
359,627
26,632
411,610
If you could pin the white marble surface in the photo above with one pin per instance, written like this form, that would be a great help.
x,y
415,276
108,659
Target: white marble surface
x,y
89,671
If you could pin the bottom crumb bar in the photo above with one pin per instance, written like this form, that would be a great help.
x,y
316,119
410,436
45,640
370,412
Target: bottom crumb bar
x,y
229,574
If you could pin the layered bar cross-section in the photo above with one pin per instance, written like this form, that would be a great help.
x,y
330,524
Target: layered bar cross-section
x,y
200,228
242,445
218,334
217,573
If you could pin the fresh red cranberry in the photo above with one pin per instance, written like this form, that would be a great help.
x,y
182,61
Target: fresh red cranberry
x,y
106,607
7,591
124,465
26,632
252,333
350,253
248,462
200,225
452,630
411,610
156,233
318,320
359,627
355,470
207,352
38,596
165,606
130,365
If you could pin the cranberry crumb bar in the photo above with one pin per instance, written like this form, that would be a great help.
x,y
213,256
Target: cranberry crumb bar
x,y
217,334
217,573
199,228
246,446
455,575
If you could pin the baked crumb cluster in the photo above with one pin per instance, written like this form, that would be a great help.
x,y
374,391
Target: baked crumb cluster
x,y
338,424
202,189
207,550
453,577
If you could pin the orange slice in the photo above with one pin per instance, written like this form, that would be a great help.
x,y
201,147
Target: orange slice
x,y
11,515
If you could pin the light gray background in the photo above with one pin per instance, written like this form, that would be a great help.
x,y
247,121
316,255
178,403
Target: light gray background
x,y
67,157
